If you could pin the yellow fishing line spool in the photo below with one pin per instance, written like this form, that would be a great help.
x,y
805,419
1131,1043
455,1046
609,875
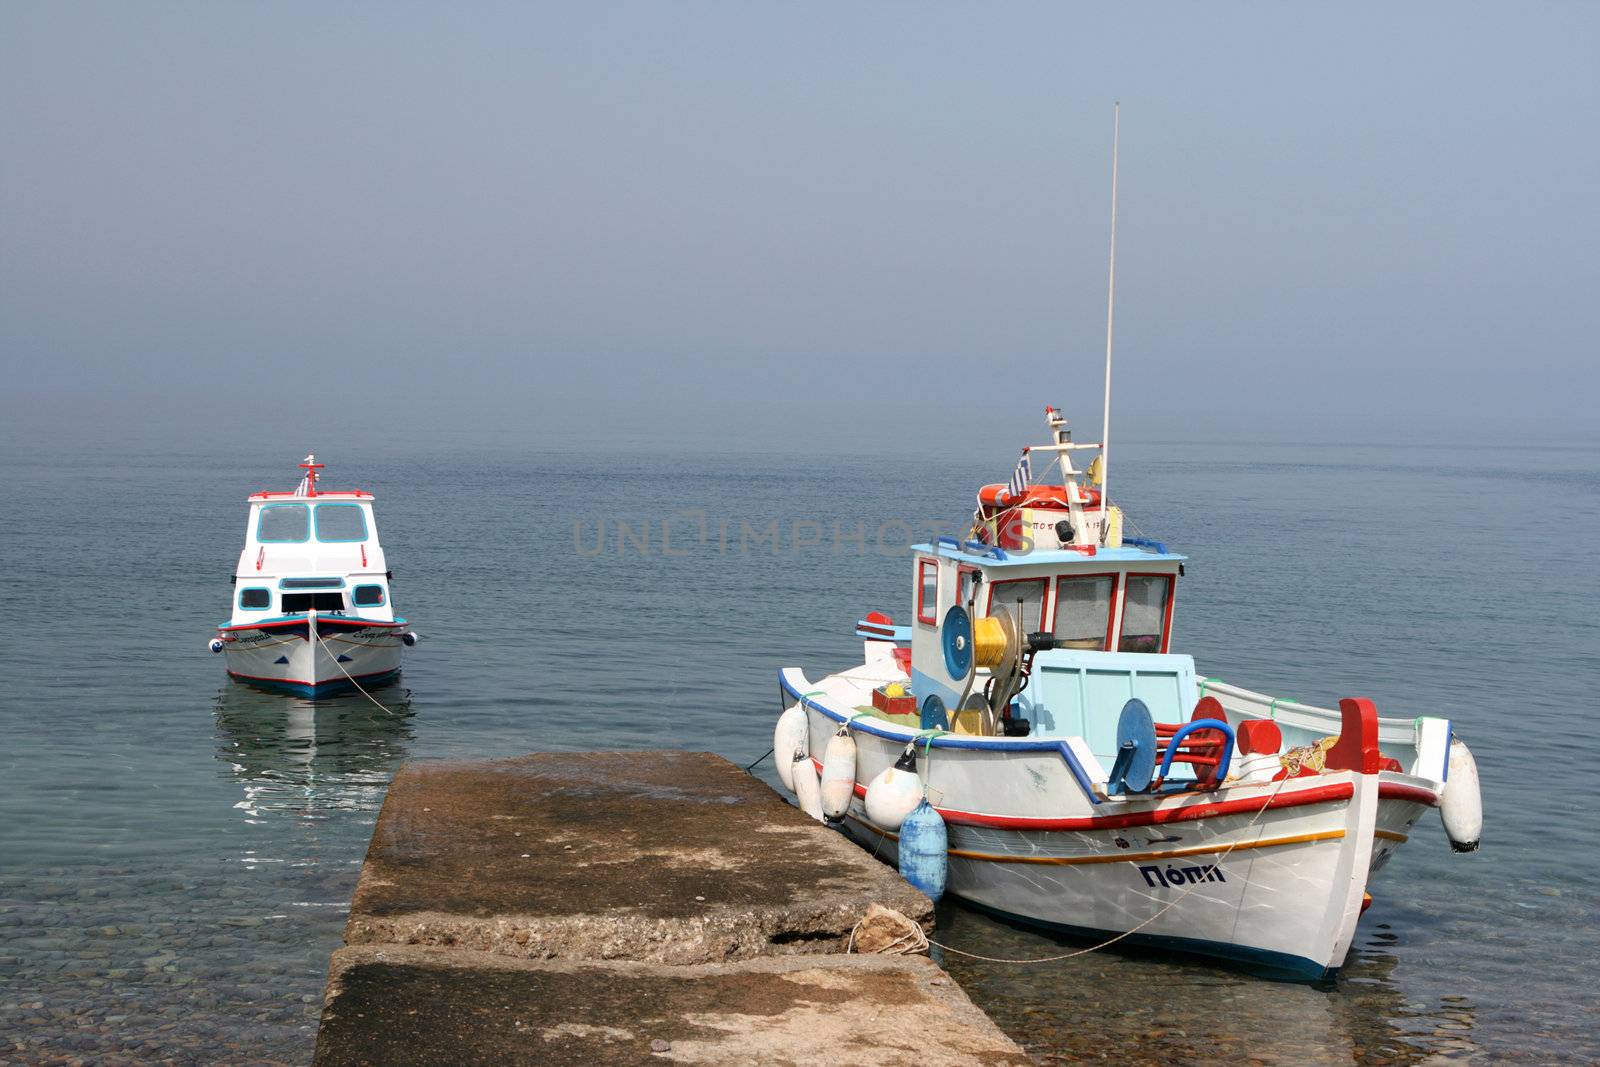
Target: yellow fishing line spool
x,y
988,642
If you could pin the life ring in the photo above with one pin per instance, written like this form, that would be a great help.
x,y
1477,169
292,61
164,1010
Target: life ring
x,y
1035,496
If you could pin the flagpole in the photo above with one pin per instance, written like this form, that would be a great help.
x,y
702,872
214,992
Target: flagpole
x,y
1111,302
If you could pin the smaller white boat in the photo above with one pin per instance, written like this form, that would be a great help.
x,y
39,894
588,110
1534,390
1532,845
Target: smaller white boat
x,y
312,610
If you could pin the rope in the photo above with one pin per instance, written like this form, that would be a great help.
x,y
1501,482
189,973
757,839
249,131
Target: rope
x,y
1174,902
347,674
752,764
914,942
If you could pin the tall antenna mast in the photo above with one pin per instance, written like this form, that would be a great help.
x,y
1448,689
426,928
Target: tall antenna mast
x,y
1111,303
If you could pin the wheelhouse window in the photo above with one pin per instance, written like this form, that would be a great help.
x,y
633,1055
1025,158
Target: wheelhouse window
x,y
1029,613
284,523
294,603
966,585
1146,600
341,522
367,596
1083,610
255,599
927,592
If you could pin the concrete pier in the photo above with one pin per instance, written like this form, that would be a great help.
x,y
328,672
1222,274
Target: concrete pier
x,y
627,907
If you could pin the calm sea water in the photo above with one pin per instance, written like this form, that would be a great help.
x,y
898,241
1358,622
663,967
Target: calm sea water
x,y
176,851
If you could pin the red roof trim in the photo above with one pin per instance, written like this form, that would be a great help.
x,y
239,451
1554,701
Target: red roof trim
x,y
357,494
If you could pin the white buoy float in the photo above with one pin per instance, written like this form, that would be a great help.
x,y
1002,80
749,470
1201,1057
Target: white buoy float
x,y
1461,806
807,790
838,785
895,793
787,736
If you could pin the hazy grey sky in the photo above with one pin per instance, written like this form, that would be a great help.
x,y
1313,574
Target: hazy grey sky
x,y
841,222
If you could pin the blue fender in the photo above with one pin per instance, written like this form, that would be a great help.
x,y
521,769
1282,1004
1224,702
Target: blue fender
x,y
924,848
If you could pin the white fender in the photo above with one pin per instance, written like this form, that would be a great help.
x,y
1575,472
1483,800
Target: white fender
x,y
807,790
838,774
895,793
1461,806
787,736
1255,768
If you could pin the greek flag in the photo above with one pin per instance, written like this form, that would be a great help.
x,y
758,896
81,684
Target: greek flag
x,y
1020,478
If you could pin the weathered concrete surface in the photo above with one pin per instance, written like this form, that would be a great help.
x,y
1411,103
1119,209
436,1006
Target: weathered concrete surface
x,y
668,857
404,1005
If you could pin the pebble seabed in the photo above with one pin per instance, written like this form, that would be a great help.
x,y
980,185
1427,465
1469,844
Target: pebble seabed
x,y
199,974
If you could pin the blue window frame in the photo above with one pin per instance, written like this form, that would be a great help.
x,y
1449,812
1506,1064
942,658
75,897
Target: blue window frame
x,y
367,596
284,524
341,522
255,598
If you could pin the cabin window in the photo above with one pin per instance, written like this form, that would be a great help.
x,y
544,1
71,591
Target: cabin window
x,y
341,522
1083,610
966,585
284,523
1146,600
367,596
298,602
255,599
927,592
1030,591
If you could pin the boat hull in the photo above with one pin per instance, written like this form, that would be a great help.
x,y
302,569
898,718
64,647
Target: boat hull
x,y
314,660
1272,874
1280,894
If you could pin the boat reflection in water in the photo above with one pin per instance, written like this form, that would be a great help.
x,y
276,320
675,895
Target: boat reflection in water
x,y
312,761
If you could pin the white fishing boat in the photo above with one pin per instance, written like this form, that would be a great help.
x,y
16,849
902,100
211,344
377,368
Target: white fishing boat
x,y
1032,744
312,607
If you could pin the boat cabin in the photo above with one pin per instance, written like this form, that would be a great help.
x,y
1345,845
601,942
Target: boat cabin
x,y
1113,599
311,550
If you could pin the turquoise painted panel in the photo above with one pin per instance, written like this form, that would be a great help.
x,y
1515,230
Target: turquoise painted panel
x,y
1161,691
1078,693
1107,691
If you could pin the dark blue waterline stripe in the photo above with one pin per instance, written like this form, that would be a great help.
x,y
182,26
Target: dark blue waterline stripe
x,y
321,689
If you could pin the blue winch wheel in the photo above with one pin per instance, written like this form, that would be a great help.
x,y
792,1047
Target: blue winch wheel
x,y
934,715
1136,749
956,638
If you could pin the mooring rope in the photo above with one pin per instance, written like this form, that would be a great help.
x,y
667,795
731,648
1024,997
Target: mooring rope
x,y
1267,803
334,657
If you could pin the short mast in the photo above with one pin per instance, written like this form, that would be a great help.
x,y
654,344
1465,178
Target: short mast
x,y
308,484
1111,303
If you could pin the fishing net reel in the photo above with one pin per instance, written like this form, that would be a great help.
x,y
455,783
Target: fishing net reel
x,y
1000,646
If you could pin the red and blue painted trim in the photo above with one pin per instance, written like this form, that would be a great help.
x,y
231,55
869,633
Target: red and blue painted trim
x,y
335,621
314,690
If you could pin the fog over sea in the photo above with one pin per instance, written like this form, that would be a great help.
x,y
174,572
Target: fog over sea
x,y
177,851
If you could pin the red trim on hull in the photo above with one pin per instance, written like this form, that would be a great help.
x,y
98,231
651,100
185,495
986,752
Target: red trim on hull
x,y
313,685
321,621
1414,793
1322,794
